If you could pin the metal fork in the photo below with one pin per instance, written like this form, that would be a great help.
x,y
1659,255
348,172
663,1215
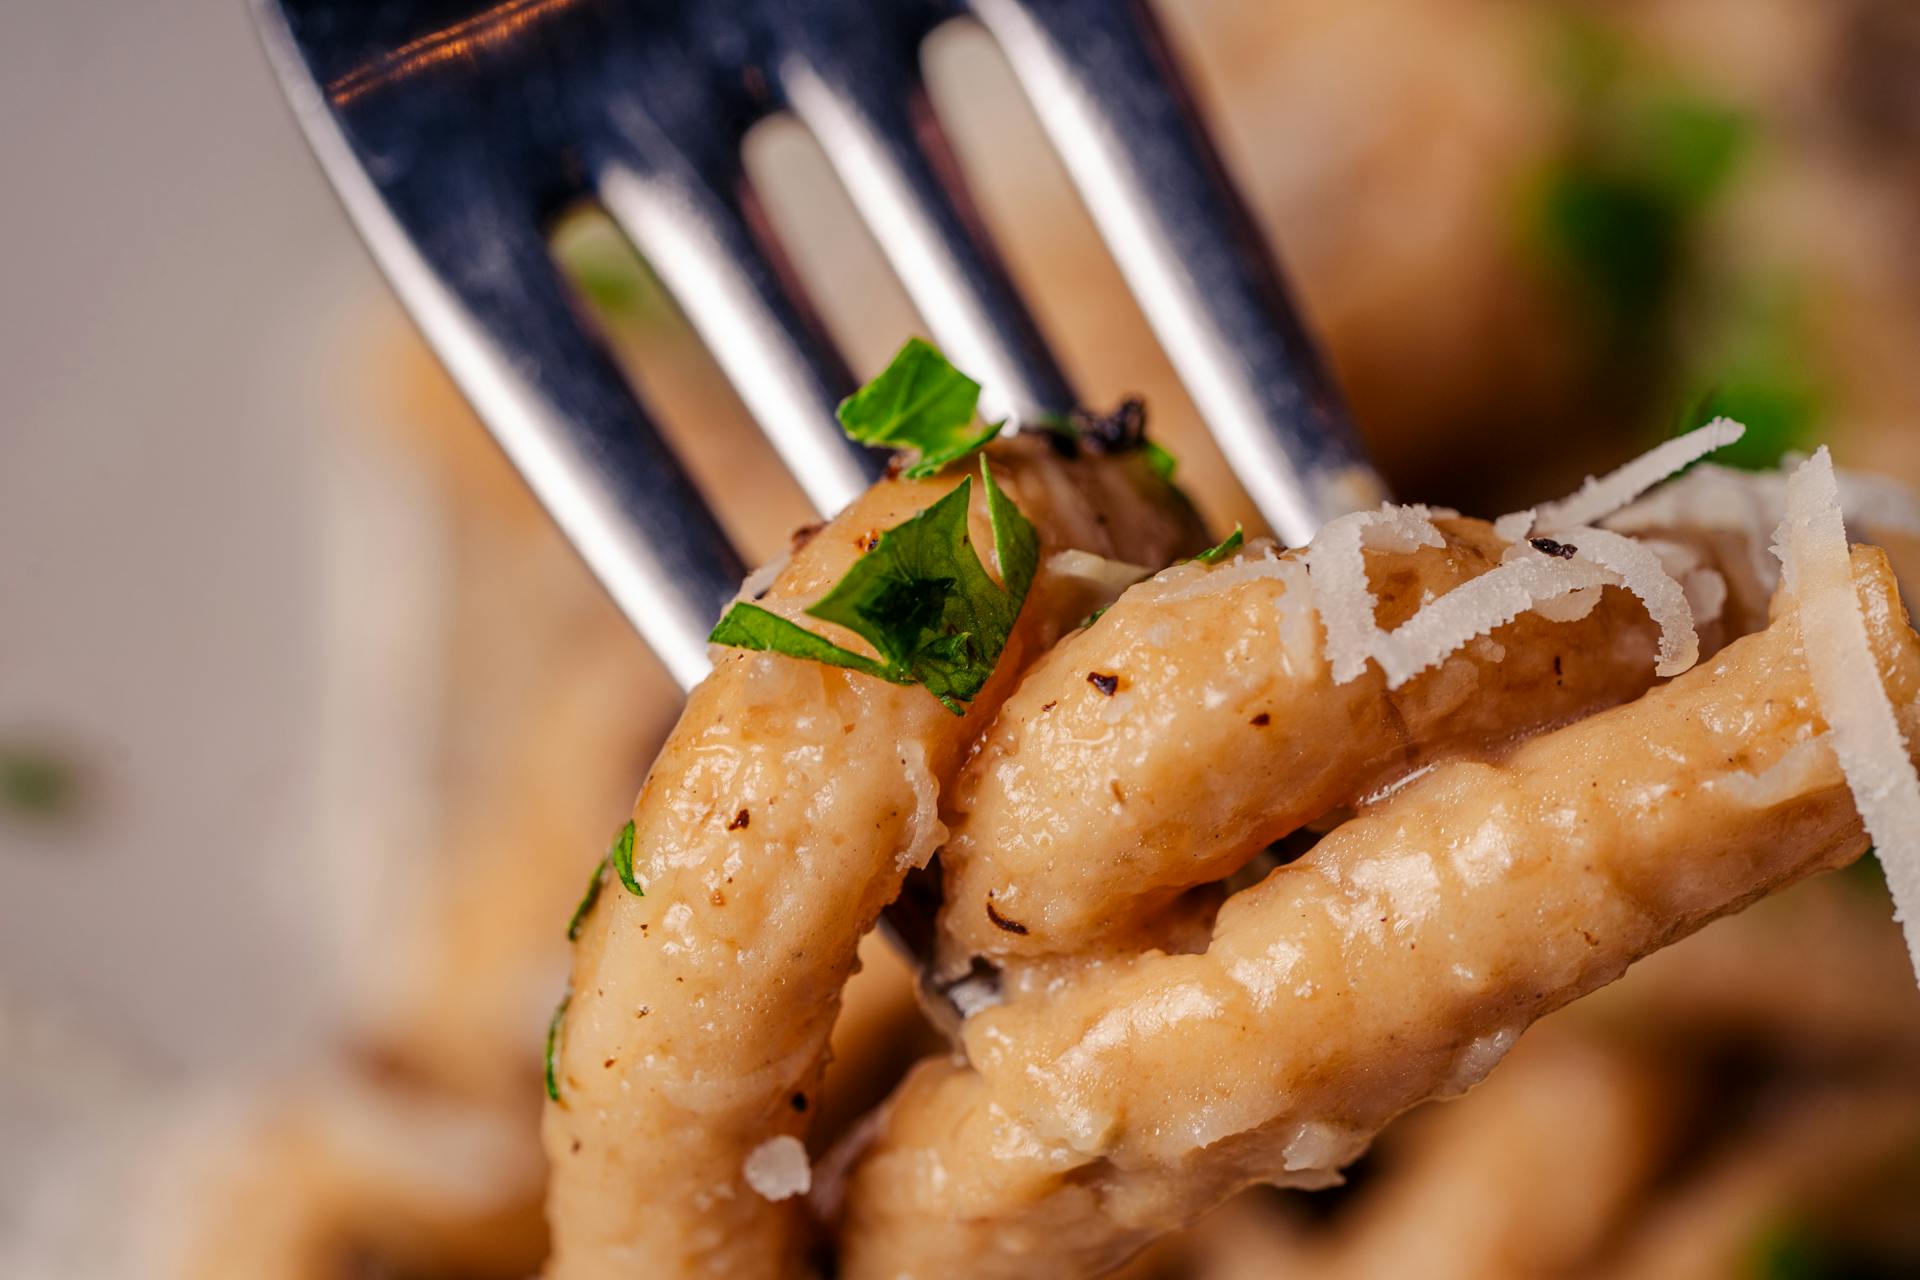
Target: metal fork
x,y
455,131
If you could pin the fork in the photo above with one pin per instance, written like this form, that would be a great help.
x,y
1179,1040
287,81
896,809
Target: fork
x,y
456,131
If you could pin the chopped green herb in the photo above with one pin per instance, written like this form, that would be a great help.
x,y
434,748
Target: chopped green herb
x,y
35,783
748,626
1161,460
587,899
1803,1251
1617,210
1095,616
920,597
1752,362
553,1046
1226,547
603,264
918,402
620,858
1016,545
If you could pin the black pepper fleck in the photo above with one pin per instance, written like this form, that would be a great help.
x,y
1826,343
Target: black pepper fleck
x,y
1262,720
740,820
799,1102
1001,922
1105,683
1558,550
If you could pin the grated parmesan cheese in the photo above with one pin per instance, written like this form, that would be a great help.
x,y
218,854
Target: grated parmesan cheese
x,y
1114,576
1602,497
778,1168
1866,735
1337,566
1640,571
1478,606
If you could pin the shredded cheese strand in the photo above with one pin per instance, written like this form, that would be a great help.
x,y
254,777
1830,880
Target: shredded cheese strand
x,y
1866,734
1599,498
1641,571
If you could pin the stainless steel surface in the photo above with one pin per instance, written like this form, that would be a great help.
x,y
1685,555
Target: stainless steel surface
x,y
455,131
1103,81
851,79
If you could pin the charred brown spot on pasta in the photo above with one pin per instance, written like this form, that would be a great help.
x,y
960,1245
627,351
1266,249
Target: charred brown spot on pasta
x,y
740,821
1105,683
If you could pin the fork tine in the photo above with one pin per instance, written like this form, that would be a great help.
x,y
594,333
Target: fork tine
x,y
1101,78
855,86
454,231
693,216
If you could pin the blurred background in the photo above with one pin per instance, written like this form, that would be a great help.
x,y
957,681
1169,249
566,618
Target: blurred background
x,y
310,726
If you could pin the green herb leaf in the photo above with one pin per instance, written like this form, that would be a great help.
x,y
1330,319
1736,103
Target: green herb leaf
x,y
36,783
918,402
748,626
1226,547
1161,460
932,461
587,899
920,597
620,858
1016,546
553,1046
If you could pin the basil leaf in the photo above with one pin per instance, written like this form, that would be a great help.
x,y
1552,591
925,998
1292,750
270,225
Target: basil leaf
x,y
620,858
920,597
748,626
1016,545
1226,547
918,402
932,461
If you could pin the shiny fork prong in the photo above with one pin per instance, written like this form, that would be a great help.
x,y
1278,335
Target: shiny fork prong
x,y
452,127
686,204
455,225
856,86
1104,84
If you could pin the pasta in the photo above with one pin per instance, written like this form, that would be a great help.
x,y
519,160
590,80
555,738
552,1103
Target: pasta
x,y
777,822
1530,812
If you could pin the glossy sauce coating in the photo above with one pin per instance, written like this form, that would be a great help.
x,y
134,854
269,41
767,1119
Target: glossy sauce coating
x,y
778,820
1395,962
1197,722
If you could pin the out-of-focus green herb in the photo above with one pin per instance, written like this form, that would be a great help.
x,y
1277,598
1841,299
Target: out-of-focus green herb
x,y
1752,368
620,858
36,783
1800,1251
606,268
1618,214
553,1046
920,597
1616,208
1161,459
